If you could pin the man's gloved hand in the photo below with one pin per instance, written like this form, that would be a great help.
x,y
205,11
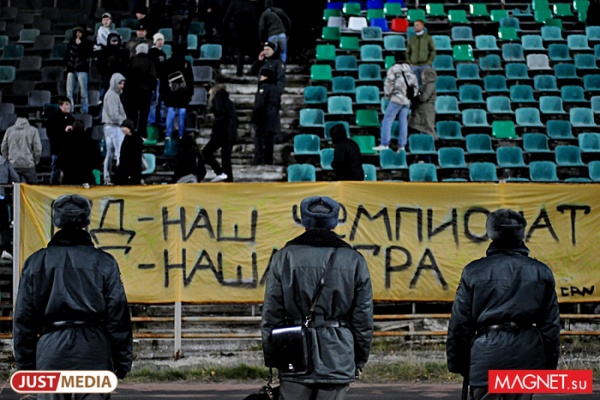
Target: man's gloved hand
x,y
121,374
357,373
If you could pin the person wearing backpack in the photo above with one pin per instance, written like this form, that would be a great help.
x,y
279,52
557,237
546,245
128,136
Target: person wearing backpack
x,y
274,26
224,133
177,88
400,89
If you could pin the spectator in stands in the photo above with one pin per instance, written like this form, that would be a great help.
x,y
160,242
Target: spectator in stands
x,y
177,89
138,10
71,311
182,12
346,157
103,31
111,60
400,79
77,65
85,12
57,127
505,314
140,38
265,117
269,59
422,117
189,165
113,115
420,50
211,12
23,148
224,133
8,175
141,81
156,15
240,21
158,57
274,26
79,157
129,171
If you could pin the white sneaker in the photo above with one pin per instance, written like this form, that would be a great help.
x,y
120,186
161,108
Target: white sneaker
x,y
400,150
219,178
6,255
381,147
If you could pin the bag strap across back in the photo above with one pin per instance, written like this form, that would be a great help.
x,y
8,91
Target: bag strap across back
x,y
313,306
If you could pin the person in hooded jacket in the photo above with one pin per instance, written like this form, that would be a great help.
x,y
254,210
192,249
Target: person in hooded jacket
x,y
111,60
129,171
189,164
505,314
274,26
79,157
22,146
71,311
224,133
340,330
399,78
113,115
346,157
265,117
77,63
178,100
269,58
141,81
422,117
240,19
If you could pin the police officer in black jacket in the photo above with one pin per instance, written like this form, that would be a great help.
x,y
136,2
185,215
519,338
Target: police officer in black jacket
x,y
265,117
505,314
71,311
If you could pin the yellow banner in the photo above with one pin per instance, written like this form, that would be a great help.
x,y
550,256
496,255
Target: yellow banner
x,y
211,243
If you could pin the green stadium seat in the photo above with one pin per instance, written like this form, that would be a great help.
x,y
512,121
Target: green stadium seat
x,y
452,157
589,142
371,53
562,10
463,52
375,13
468,72
315,95
539,4
446,105
351,9
497,15
443,63
328,12
582,117
491,62
516,71
495,84
393,10
389,62
312,118
331,124
594,171
449,130
457,17
422,172
568,156
435,10
559,52
339,105
504,130
319,72
551,105
307,144
349,43
371,33
370,172
508,34
445,84
369,72
421,144
528,117
545,83
325,52
301,173
512,52
415,15
327,158
479,143
483,172
365,143
367,118
499,105
532,43
510,157
542,171
573,94
581,5
536,143
330,33
478,10
542,15
367,95
394,42
470,94
390,160
343,84
486,43
559,130
151,136
462,34
578,43
346,63
522,94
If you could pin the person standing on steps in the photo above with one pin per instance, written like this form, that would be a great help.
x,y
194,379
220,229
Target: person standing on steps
x,y
269,58
265,117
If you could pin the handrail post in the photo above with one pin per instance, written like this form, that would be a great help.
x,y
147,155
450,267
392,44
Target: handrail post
x,y
177,332
16,216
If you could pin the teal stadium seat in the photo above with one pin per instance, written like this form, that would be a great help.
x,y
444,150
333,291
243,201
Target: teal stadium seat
x,y
390,160
568,156
573,94
327,158
421,144
542,171
510,157
552,34
442,43
370,172
566,72
486,43
479,143
449,130
532,43
467,72
369,72
545,83
589,142
301,173
516,71
578,43
394,43
371,33
331,124
315,95
491,62
591,83
312,118
499,105
470,94
339,105
475,118
551,105
483,172
211,52
559,52
346,63
446,85
462,34
559,129
528,117
370,53
367,95
443,63
512,52
495,84
586,62
536,143
151,161
446,105
451,158
343,84
307,144
422,172
595,103
581,117
594,171
7,74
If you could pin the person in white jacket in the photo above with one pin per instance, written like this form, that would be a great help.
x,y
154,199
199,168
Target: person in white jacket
x,y
113,115
400,79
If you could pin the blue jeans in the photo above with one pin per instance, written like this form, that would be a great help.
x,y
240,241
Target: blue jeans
x,y
81,78
156,104
281,41
54,171
171,119
388,119
419,70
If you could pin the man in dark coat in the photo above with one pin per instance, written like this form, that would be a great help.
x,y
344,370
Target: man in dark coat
x,y
129,171
77,65
57,127
141,37
265,117
346,157
240,20
141,82
71,311
177,100
269,59
224,133
341,328
182,12
505,314
274,26
79,157
112,59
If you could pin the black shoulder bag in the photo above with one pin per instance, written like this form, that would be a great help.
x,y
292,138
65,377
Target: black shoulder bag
x,y
290,344
410,91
